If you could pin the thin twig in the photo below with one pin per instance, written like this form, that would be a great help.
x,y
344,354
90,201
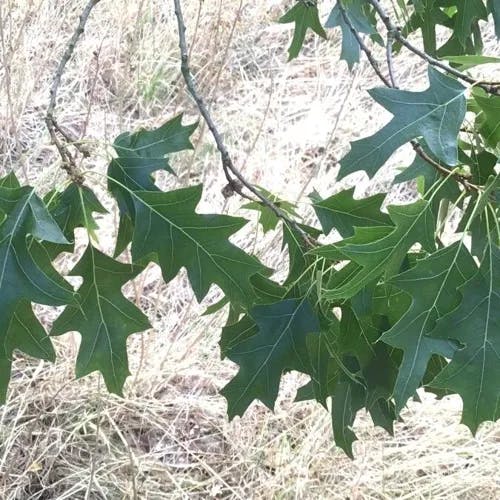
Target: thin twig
x,y
68,161
395,32
392,83
234,185
417,147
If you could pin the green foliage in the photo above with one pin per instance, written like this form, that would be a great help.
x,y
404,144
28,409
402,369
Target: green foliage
x,y
305,16
432,285
378,302
380,250
435,114
267,218
169,231
474,370
139,155
343,213
363,20
26,275
103,316
278,345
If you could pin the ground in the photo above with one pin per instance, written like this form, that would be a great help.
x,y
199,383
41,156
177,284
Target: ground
x,y
286,125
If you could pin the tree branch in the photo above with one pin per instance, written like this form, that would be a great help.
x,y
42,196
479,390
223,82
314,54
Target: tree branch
x,y
68,161
239,182
395,32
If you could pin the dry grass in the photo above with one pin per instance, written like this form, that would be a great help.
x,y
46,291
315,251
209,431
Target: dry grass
x,y
169,437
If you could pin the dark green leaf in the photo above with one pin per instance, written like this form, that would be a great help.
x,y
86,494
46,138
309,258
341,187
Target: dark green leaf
x,y
383,415
433,185
103,317
432,285
474,371
494,8
361,19
71,209
26,334
324,370
380,251
280,345
234,334
267,218
139,155
473,44
469,61
305,15
348,399
301,263
26,273
468,11
489,119
10,181
428,14
167,226
435,114
343,213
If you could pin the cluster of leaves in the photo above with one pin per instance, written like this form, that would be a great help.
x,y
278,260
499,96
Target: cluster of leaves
x,y
389,308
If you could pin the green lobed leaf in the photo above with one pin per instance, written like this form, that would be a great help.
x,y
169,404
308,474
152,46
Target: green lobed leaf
x,y
435,114
488,120
494,9
482,166
324,369
476,218
474,370
305,15
433,185
26,274
267,218
343,213
302,264
10,181
377,251
473,44
470,61
168,229
72,208
26,334
428,14
432,285
359,334
361,19
139,155
468,11
280,345
348,399
103,317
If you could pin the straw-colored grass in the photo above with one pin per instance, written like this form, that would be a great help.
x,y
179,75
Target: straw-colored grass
x,y
285,124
